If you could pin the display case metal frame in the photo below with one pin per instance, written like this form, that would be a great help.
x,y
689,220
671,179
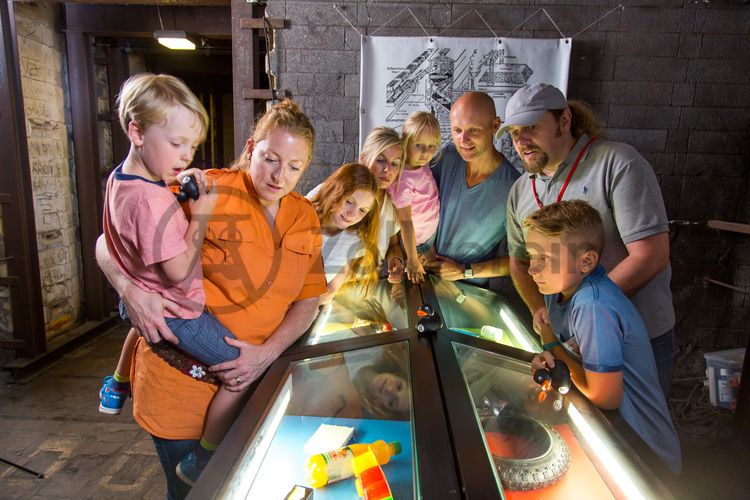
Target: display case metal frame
x,y
430,428
476,472
440,423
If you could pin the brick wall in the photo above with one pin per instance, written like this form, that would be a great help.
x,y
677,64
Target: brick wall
x,y
669,77
43,80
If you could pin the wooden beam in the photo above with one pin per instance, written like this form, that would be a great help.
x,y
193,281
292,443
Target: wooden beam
x,y
163,3
142,21
9,281
266,94
734,227
118,71
15,345
246,68
189,62
65,343
18,203
87,169
257,23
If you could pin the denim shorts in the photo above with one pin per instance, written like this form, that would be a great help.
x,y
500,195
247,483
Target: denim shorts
x,y
202,337
427,245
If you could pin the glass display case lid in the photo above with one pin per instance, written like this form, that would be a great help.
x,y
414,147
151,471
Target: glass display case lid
x,y
325,413
477,312
542,443
355,313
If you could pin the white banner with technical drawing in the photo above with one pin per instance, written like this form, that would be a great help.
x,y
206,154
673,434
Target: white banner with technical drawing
x,y
400,75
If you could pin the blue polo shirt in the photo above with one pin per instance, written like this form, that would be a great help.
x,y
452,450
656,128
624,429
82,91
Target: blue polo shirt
x,y
601,328
472,224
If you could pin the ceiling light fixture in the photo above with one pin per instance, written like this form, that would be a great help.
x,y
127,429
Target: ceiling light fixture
x,y
174,39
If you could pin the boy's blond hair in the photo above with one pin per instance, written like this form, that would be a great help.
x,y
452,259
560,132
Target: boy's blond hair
x,y
419,124
147,98
573,220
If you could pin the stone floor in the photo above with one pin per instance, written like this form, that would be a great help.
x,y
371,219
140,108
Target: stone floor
x,y
52,425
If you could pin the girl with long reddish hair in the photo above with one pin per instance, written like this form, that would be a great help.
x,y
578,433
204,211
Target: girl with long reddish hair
x,y
348,209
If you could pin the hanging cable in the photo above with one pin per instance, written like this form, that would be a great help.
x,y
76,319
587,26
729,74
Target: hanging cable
x,y
417,20
454,22
553,23
158,13
389,20
602,17
523,22
347,21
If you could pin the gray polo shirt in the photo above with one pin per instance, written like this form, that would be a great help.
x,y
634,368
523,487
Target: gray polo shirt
x,y
622,186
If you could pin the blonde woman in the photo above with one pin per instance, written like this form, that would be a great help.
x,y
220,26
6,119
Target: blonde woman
x,y
383,153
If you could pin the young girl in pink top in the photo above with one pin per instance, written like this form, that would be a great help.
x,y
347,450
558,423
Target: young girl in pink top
x,y
415,195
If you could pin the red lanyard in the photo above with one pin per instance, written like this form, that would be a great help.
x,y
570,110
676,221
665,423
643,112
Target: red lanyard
x,y
567,180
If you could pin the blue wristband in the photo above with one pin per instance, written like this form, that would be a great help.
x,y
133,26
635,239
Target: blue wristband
x,y
551,345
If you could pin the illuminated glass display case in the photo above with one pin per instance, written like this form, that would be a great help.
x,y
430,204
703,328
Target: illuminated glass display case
x,y
542,444
477,312
460,402
365,390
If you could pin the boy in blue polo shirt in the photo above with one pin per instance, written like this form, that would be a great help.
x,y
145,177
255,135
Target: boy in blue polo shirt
x,y
595,328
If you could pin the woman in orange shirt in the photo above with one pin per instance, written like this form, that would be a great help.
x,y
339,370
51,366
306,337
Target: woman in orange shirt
x,y
263,276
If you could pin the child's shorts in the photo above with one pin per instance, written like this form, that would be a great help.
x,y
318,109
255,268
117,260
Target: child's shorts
x,y
202,337
427,245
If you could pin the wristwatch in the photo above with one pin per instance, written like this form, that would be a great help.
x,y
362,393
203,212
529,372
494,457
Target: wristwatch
x,y
468,272
461,297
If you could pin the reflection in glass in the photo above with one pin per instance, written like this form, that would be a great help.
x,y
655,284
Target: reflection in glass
x,y
481,313
383,386
367,390
354,314
541,440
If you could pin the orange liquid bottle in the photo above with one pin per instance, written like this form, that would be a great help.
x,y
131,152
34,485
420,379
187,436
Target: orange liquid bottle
x,y
336,465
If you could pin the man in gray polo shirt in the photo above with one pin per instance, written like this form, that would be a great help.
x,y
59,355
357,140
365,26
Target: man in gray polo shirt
x,y
557,141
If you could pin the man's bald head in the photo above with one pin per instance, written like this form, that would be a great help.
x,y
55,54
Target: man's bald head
x,y
477,104
473,126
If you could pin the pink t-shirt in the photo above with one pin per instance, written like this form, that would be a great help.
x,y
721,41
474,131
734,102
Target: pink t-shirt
x,y
418,188
144,225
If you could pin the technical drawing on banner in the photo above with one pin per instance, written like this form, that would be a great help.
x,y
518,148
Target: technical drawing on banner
x,y
437,77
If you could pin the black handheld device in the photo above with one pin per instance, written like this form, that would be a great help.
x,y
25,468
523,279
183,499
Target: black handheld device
x,y
557,377
188,189
429,320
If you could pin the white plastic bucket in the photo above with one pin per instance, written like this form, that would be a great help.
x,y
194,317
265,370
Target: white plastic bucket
x,y
724,369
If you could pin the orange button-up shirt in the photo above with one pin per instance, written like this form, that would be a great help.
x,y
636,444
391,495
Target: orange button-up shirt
x,y
252,276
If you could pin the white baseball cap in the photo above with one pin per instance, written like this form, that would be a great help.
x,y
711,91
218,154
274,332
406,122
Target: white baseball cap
x,y
529,103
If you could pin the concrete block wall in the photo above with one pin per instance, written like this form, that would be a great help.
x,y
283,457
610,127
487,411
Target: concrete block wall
x,y
669,77
43,80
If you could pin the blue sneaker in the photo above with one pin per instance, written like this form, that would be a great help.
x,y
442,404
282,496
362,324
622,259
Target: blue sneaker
x,y
189,469
111,400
